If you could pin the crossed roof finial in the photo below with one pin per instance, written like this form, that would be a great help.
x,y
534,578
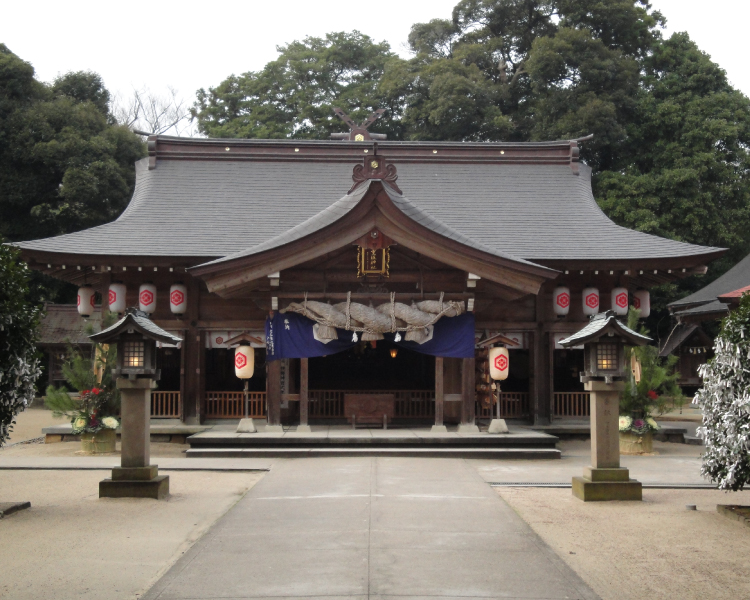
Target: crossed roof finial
x,y
358,133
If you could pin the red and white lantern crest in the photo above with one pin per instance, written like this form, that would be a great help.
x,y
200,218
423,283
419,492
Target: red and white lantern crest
x,y
561,300
499,363
590,301
620,301
642,301
147,298
178,299
116,297
85,301
244,362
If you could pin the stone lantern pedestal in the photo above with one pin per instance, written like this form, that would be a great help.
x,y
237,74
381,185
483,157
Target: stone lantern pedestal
x,y
605,479
136,477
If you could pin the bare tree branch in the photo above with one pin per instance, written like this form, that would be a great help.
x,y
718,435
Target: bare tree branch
x,y
154,113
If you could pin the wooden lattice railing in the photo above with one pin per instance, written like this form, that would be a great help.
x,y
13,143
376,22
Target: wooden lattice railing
x,y
231,405
165,405
513,405
410,404
571,404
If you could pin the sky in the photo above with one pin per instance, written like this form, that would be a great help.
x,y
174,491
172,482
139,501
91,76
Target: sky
x,y
188,45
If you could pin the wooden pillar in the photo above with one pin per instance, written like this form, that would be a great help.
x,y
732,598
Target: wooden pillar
x,y
303,400
468,392
200,399
189,393
273,392
542,376
439,391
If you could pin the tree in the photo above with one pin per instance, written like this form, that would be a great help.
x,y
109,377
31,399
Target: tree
x,y
293,96
65,164
725,401
19,320
153,113
685,170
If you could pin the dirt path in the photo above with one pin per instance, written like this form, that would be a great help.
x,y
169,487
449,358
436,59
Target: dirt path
x,y
650,549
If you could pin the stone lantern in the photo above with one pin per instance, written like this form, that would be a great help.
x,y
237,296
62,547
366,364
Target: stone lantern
x,y
604,340
136,337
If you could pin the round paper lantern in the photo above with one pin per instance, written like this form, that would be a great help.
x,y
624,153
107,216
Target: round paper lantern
x,y
642,301
244,362
147,298
561,300
499,363
85,300
590,298
116,297
178,299
620,301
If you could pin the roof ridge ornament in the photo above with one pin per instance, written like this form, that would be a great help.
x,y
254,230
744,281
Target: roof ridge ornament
x,y
375,167
358,133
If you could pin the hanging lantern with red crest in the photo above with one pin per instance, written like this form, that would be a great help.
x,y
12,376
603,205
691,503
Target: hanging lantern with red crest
x,y
85,300
499,363
147,298
561,300
244,361
642,301
178,299
620,301
116,297
590,298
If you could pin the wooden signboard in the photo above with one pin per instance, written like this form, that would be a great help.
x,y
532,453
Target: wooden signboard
x,y
369,408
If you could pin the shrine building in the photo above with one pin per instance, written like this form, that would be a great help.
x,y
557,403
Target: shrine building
x,y
363,266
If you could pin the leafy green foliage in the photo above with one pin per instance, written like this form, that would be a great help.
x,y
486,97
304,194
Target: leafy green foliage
x,y
725,401
293,96
19,322
657,391
64,163
98,396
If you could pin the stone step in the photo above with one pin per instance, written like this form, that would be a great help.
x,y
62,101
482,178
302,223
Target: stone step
x,y
431,452
693,440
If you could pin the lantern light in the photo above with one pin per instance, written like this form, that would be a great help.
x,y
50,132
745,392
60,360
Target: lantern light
x,y
244,361
620,301
499,363
561,300
642,301
590,298
178,299
147,298
394,352
85,300
116,298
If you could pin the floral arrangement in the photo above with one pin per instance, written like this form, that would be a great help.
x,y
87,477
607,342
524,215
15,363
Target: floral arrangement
x,y
637,426
89,418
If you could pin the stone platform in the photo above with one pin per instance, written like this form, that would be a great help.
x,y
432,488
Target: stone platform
x,y
331,440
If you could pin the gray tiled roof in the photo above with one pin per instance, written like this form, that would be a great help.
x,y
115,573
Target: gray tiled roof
x,y
62,324
212,208
596,327
339,208
735,278
709,308
150,329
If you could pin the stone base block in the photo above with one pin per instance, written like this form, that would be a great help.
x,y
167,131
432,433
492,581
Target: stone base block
x,y
606,474
303,429
439,429
468,428
598,491
156,488
246,426
135,473
498,426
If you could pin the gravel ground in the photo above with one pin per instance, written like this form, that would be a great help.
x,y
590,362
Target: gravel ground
x,y
650,549
30,422
73,545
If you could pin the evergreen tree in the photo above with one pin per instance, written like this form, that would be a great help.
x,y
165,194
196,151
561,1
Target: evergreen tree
x,y
725,401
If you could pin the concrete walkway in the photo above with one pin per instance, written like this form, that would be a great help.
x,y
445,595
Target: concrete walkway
x,y
370,528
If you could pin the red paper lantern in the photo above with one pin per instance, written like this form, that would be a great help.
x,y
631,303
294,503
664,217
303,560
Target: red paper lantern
x,y
178,299
590,301
147,298
561,300
85,300
116,297
642,301
620,301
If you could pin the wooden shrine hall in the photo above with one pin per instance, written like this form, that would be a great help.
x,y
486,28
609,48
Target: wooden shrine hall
x,y
222,235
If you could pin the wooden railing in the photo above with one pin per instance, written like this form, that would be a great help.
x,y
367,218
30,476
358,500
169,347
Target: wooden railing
x,y
513,405
410,404
231,405
571,404
165,405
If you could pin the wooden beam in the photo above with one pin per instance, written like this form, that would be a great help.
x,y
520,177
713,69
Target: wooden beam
x,y
439,391
303,396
